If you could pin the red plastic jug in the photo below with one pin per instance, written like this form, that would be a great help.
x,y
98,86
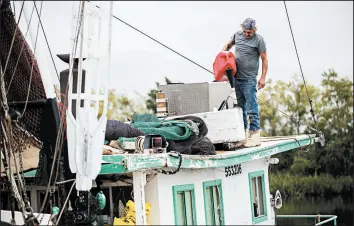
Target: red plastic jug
x,y
224,60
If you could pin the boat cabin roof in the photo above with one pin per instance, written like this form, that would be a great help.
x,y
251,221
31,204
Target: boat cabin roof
x,y
125,163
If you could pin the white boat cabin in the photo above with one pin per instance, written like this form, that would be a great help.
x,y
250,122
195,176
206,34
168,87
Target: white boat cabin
x,y
230,188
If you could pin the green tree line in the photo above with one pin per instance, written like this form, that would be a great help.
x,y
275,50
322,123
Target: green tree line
x,y
319,170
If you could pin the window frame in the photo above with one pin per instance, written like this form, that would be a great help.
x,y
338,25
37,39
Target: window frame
x,y
256,220
183,188
213,183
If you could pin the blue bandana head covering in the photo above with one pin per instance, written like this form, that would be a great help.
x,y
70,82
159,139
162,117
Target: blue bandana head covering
x,y
249,24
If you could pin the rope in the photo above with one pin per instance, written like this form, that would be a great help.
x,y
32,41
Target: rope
x,y
30,80
5,126
115,17
66,200
300,122
12,42
46,40
22,47
302,74
5,105
65,181
13,6
61,126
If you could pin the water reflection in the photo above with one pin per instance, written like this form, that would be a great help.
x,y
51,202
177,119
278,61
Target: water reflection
x,y
340,206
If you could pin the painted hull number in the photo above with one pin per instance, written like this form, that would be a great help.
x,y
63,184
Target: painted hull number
x,y
233,170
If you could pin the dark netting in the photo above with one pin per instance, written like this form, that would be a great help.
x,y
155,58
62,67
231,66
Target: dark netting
x,y
19,86
20,81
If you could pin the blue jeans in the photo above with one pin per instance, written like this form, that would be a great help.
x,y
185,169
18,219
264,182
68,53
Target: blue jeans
x,y
246,92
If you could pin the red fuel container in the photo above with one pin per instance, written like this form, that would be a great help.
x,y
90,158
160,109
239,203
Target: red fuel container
x,y
224,60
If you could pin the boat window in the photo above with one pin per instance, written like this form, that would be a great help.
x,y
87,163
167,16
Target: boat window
x,y
213,203
258,197
184,204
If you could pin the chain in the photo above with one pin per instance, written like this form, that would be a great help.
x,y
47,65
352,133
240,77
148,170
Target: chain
x,y
179,164
21,143
37,143
22,147
3,93
16,142
12,183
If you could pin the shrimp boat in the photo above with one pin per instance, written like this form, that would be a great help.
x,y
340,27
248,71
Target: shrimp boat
x,y
58,169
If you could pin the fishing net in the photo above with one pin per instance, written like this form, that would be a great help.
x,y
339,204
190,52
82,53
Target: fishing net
x,y
18,63
17,79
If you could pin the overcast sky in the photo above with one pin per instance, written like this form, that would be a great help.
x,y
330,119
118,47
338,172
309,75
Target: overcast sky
x,y
323,32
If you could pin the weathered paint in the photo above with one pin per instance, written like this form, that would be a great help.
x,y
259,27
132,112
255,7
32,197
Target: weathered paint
x,y
236,157
112,169
256,220
219,185
235,189
136,162
124,163
139,182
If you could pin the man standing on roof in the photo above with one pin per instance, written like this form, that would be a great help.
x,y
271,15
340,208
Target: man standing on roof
x,y
249,46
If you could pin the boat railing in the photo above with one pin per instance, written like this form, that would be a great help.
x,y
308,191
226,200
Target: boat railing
x,y
316,217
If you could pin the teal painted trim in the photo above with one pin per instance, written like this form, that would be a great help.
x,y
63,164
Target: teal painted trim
x,y
206,185
256,220
182,188
105,169
114,158
305,216
112,169
328,220
331,218
136,162
237,157
31,173
126,163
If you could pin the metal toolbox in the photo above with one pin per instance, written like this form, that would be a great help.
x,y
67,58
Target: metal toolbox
x,y
196,97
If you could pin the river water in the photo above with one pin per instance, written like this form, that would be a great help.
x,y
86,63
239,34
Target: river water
x,y
340,206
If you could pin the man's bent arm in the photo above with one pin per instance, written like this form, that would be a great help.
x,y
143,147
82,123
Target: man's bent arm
x,y
264,64
228,46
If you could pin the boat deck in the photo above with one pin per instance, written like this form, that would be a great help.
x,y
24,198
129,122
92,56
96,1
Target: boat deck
x,y
121,163
125,163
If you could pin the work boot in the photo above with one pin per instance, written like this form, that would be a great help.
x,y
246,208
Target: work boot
x,y
243,142
254,139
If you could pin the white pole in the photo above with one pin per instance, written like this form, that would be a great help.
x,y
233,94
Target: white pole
x,y
80,156
97,91
109,60
139,181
